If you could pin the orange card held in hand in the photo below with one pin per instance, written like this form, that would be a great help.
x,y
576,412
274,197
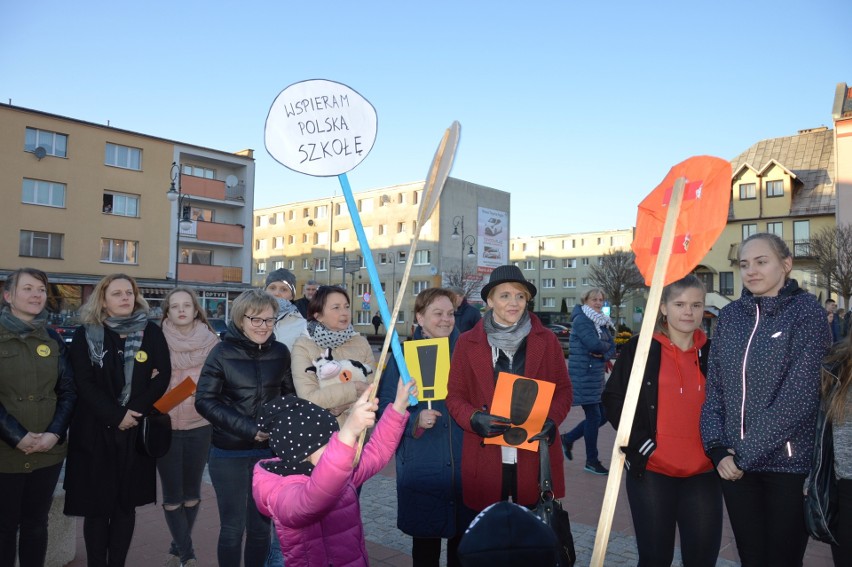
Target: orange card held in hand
x,y
525,402
175,396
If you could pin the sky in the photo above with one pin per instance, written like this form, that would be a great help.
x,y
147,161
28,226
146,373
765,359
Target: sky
x,y
578,109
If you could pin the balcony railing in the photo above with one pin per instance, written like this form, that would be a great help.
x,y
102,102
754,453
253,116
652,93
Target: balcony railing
x,y
214,232
210,274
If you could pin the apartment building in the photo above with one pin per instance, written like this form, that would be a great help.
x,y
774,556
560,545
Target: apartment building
x,y
86,200
783,186
559,265
465,238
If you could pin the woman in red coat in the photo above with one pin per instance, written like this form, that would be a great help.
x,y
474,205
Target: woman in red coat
x,y
507,339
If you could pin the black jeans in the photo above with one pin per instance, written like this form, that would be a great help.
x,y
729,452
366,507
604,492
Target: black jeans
x,y
842,553
426,551
238,514
659,503
767,515
108,537
26,500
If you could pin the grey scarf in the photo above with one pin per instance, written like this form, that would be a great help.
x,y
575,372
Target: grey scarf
x,y
132,327
507,339
19,326
285,308
326,338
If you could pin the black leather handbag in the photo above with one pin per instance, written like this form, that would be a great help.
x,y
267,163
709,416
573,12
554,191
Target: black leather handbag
x,y
550,510
821,484
155,434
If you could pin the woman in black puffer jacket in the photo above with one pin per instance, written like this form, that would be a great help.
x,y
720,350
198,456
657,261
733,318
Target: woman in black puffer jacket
x,y
758,419
248,369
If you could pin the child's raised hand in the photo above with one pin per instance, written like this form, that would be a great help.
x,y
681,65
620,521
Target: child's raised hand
x,y
361,416
402,392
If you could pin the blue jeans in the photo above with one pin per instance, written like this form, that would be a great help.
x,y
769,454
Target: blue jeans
x,y
180,471
275,558
661,503
238,514
588,429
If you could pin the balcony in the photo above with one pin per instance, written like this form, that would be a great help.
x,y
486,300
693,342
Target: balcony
x,y
215,232
210,274
211,189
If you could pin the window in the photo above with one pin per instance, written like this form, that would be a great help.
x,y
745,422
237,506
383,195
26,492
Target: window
x,y
568,244
617,240
363,288
726,283
260,244
278,242
401,318
363,318
801,239
54,144
197,171
305,238
45,193
402,257
600,260
290,215
382,229
422,257
261,267
747,191
278,265
337,209
341,235
548,283
600,241
40,244
259,221
569,282
748,230
291,239
368,232
321,238
585,282
321,264
548,264
400,198
118,251
420,285
548,302
528,265
383,258
306,213
365,205
400,228
196,256
361,262
775,188
524,247
277,219
584,261
776,228
707,279
415,197
321,211
291,264
202,214
569,263
306,264
122,205
123,156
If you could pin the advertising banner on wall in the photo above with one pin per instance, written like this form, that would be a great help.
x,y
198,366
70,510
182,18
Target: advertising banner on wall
x,y
492,239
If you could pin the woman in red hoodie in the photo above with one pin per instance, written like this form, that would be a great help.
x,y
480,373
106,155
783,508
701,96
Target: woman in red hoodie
x,y
670,482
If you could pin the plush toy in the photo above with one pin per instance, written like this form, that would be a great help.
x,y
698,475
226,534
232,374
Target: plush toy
x,y
330,371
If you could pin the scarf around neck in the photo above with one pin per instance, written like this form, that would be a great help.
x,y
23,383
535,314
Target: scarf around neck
x,y
132,327
19,326
190,350
600,320
507,339
326,338
285,308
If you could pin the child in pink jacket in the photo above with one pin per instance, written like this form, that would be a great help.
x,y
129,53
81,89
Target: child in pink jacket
x,y
309,491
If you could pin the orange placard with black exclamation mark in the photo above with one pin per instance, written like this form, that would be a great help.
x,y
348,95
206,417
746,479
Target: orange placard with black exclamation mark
x,y
428,362
525,402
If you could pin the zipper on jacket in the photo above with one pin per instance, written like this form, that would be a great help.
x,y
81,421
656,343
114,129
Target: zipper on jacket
x,y
745,364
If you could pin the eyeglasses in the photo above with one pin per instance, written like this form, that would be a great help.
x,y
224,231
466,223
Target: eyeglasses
x,y
260,321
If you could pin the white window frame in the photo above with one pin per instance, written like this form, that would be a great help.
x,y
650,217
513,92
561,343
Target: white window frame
x,y
569,283
548,264
548,283
52,240
419,285
548,302
54,192
132,158
422,257
528,265
569,263
127,199
261,268
123,249
50,141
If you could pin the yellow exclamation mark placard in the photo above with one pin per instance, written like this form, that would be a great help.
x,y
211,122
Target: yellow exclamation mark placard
x,y
428,362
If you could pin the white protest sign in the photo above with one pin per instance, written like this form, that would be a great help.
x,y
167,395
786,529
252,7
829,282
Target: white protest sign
x,y
320,128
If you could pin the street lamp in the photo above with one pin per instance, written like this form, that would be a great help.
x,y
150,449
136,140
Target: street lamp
x,y
468,241
175,194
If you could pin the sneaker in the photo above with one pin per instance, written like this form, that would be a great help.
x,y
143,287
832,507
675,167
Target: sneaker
x,y
567,448
596,468
172,561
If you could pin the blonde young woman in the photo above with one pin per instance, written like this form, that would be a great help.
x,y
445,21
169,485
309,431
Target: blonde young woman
x,y
190,339
121,367
36,401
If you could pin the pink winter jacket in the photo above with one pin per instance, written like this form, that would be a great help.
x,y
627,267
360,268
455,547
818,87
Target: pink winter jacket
x,y
318,517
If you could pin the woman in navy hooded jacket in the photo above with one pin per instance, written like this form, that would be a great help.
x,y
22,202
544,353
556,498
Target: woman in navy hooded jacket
x,y
763,393
428,459
591,347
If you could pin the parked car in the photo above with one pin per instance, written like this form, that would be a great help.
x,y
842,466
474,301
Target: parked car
x,y
219,326
65,331
563,333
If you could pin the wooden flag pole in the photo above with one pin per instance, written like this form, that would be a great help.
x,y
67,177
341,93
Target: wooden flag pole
x,y
638,370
